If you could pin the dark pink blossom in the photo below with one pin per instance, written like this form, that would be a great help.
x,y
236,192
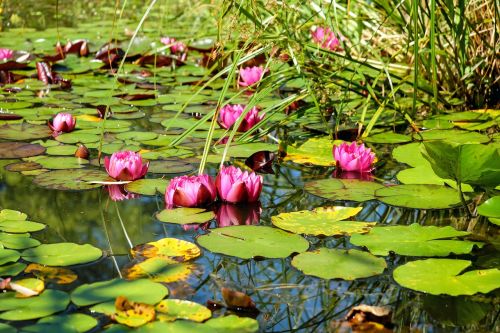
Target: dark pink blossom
x,y
190,191
325,38
351,157
230,214
234,185
250,75
6,54
229,114
125,165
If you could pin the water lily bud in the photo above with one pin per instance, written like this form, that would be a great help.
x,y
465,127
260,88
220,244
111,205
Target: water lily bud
x,y
82,152
325,38
250,75
229,114
63,122
125,165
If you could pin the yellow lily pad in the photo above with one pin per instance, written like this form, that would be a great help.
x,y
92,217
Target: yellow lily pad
x,y
172,248
160,270
173,309
52,274
133,314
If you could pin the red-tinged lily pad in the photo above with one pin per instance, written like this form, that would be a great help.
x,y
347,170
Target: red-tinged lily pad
x,y
22,166
71,180
19,149
10,116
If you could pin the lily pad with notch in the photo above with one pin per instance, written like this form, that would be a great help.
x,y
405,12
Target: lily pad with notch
x,y
339,264
419,196
415,240
19,150
62,254
47,303
71,180
147,186
248,241
171,248
343,189
185,215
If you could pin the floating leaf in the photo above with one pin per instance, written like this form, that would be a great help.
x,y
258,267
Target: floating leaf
x,y
142,290
8,256
442,276
185,215
388,137
66,323
23,131
17,241
317,151
19,149
71,180
57,275
339,264
47,303
9,214
245,150
58,162
19,226
147,186
12,269
78,137
62,254
4,328
343,189
169,166
173,309
415,240
233,324
172,248
453,136
133,314
419,196
322,221
253,241
160,270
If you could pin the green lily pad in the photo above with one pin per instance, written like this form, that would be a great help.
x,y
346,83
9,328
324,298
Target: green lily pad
x,y
410,154
250,241
490,208
325,221
71,180
453,136
164,153
77,137
8,256
339,264
419,196
4,328
24,131
317,151
173,309
62,254
442,276
62,150
9,214
142,290
185,215
147,186
45,304
388,137
169,166
12,269
19,226
59,162
19,149
17,241
75,322
343,189
415,240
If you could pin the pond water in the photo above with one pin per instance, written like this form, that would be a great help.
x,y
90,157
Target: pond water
x,y
295,282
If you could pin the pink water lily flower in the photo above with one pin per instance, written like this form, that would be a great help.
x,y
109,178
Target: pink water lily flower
x,y
176,47
190,191
234,185
6,54
325,38
229,114
62,122
125,165
351,157
250,75
230,214
118,193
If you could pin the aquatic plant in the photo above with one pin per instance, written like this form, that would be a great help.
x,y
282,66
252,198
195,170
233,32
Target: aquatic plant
x,y
62,122
125,165
351,157
6,54
235,185
176,47
229,114
190,191
250,75
118,193
325,38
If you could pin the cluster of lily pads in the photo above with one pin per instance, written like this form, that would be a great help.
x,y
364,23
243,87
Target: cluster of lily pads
x,y
97,115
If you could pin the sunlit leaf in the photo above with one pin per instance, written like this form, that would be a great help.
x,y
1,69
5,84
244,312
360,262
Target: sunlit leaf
x,y
57,275
62,254
133,314
173,309
185,215
172,248
160,270
47,303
